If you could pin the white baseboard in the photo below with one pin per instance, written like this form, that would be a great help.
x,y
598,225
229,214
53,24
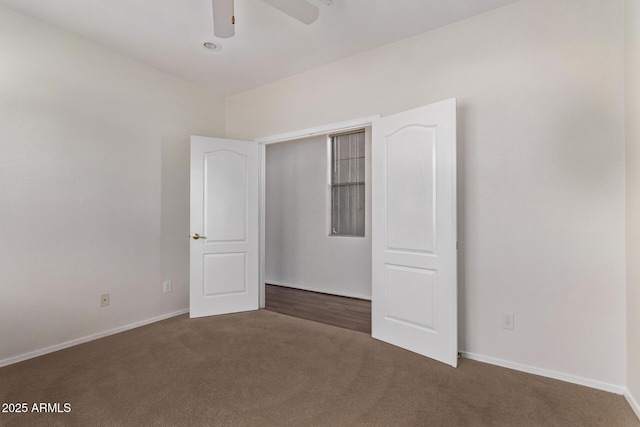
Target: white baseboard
x,y
612,388
32,354
632,402
322,291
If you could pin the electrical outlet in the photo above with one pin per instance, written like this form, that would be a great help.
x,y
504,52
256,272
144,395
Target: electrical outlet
x,y
167,286
507,320
104,300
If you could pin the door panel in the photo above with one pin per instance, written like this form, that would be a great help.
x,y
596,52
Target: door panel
x,y
225,274
225,193
410,219
414,259
401,281
224,210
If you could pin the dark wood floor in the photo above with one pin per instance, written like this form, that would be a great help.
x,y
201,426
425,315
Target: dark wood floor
x,y
349,313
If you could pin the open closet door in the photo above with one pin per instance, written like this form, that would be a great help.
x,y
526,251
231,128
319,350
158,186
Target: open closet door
x,y
414,259
224,257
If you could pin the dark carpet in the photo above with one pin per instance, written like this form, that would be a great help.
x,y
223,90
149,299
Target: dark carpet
x,y
263,368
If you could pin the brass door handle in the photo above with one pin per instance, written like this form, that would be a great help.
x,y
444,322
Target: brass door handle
x,y
196,236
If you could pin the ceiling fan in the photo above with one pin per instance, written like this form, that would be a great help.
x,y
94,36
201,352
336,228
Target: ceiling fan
x,y
224,19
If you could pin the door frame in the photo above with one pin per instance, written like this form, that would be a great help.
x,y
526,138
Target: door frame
x,y
291,136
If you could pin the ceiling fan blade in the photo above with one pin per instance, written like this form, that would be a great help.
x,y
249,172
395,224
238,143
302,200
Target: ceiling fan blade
x,y
297,9
223,19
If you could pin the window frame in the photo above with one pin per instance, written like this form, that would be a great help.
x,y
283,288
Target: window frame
x,y
330,185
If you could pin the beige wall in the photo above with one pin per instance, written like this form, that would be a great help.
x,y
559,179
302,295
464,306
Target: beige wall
x,y
94,179
632,128
540,93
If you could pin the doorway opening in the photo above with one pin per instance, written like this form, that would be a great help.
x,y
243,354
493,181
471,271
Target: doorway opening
x,y
317,240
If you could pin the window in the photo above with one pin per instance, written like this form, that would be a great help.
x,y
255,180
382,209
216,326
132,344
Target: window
x,y
347,184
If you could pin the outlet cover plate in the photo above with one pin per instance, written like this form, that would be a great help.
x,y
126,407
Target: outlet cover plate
x,y
507,320
167,286
104,300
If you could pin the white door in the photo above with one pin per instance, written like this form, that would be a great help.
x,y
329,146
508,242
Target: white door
x,y
224,253
414,260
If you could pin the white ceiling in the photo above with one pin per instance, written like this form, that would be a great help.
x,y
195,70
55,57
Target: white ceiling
x,y
268,45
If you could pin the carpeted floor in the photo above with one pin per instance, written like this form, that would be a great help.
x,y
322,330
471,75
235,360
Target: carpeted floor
x,y
263,368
